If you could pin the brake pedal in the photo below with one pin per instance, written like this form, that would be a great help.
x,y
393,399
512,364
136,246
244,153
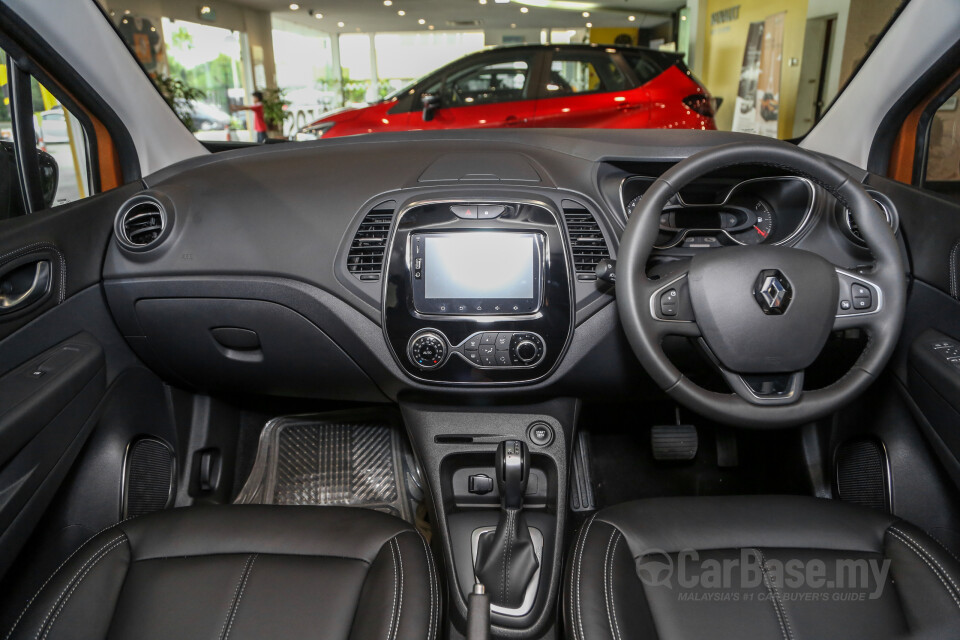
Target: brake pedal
x,y
675,442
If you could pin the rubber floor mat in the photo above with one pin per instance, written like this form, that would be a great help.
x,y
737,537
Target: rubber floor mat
x,y
354,459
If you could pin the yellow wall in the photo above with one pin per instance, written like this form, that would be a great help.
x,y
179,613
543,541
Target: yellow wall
x,y
723,54
606,35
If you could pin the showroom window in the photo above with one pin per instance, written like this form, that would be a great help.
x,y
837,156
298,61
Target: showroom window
x,y
490,83
56,165
575,74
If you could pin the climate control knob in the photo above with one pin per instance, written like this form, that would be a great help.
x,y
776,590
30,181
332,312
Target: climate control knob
x,y
427,350
526,351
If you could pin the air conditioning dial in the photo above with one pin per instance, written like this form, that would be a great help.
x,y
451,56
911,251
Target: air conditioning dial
x,y
427,350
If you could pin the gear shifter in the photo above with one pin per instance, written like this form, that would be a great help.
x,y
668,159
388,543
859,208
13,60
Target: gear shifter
x,y
506,560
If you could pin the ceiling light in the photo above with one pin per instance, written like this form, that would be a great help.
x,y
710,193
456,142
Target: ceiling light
x,y
431,27
318,16
684,18
483,1
204,10
586,14
401,12
341,24
422,21
388,3
513,25
524,10
589,25
502,1
294,6
632,18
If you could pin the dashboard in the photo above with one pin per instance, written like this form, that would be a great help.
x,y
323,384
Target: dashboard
x,y
441,262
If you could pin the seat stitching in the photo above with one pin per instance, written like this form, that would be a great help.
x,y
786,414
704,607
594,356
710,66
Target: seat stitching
x,y
607,583
69,583
51,577
775,597
76,583
400,598
393,612
247,570
583,548
426,552
613,601
946,586
233,600
926,553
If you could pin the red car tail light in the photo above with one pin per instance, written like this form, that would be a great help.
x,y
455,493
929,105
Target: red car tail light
x,y
702,104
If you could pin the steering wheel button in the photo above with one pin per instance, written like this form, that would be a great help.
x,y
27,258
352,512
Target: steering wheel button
x,y
862,303
844,305
669,303
860,291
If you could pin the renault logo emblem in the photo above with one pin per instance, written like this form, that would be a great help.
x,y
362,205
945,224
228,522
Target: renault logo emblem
x,y
772,291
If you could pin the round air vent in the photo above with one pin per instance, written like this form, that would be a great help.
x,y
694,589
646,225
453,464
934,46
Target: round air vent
x,y
143,222
849,225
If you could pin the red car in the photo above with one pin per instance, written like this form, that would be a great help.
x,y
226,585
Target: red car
x,y
540,86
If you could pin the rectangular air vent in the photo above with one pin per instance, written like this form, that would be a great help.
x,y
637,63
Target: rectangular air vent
x,y
365,259
586,240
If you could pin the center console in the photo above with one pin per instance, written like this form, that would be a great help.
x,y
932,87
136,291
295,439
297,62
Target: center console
x,y
477,292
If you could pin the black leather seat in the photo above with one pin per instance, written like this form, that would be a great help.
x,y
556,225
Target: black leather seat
x,y
816,569
239,572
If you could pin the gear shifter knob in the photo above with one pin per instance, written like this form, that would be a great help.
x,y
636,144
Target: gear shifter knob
x,y
513,470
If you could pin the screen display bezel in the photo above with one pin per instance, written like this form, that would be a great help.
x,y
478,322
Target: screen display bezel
x,y
466,306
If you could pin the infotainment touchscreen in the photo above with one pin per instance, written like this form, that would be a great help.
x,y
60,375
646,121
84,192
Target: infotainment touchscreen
x,y
476,272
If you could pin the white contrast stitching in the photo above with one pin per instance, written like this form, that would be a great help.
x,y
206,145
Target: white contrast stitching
x,y
920,555
777,602
430,579
583,549
76,583
22,251
393,611
237,596
400,605
608,583
613,602
52,576
926,553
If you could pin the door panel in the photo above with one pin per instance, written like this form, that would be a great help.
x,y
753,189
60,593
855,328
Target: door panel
x,y
59,350
930,227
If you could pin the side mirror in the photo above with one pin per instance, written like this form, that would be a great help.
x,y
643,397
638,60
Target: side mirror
x,y
431,102
11,202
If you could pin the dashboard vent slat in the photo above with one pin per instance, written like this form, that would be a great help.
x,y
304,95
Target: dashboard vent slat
x,y
142,222
365,258
587,243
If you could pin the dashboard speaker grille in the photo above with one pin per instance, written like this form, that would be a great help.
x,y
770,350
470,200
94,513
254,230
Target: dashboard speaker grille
x,y
862,473
365,258
149,478
586,239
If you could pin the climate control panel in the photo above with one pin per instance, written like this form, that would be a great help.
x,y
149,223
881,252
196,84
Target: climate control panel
x,y
429,349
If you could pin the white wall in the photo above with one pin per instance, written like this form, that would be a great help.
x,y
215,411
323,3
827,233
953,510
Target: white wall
x,y
840,8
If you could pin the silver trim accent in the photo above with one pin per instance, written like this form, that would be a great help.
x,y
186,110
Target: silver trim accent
x,y
531,595
856,314
807,216
436,334
656,294
458,350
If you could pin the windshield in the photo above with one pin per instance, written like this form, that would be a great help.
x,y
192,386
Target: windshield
x,y
769,67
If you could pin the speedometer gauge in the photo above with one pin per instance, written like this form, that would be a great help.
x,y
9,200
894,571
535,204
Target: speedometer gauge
x,y
666,237
759,225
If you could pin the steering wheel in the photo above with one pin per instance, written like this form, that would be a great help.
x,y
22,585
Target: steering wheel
x,y
762,312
